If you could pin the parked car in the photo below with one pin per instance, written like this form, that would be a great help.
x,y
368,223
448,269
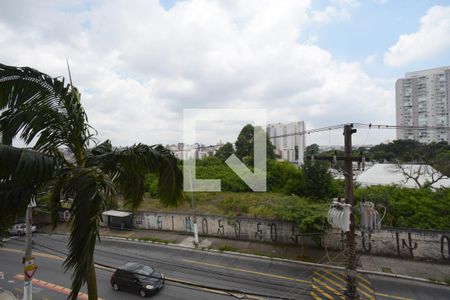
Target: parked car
x,y
137,278
21,229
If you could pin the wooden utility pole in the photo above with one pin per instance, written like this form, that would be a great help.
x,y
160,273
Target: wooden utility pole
x,y
351,292
350,251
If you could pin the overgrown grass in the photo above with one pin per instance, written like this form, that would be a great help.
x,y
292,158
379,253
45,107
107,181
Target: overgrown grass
x,y
227,248
264,205
156,240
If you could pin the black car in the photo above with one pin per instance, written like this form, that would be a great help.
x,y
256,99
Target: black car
x,y
138,278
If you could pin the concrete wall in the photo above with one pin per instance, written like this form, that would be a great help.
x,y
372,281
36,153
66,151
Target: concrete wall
x,y
406,243
240,228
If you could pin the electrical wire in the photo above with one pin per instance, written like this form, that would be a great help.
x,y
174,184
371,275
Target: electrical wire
x,y
333,127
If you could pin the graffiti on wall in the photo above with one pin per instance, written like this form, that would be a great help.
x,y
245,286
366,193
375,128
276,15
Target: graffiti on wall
x,y
403,243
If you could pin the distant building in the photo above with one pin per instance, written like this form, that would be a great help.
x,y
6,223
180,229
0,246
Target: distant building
x,y
197,151
289,145
423,99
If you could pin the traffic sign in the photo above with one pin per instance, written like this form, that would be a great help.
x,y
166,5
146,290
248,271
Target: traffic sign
x,y
29,267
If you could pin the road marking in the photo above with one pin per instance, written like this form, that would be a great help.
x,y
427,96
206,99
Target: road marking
x,y
392,296
366,287
363,279
328,284
34,253
247,271
314,295
54,287
335,276
317,288
370,297
213,265
2,275
336,292
330,280
51,256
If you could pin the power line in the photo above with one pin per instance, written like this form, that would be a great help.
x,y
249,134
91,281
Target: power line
x,y
334,127
368,125
386,126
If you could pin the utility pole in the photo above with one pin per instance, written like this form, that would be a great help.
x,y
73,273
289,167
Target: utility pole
x,y
351,292
194,213
28,286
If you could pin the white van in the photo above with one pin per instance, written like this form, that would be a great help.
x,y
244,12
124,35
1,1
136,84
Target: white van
x,y
20,229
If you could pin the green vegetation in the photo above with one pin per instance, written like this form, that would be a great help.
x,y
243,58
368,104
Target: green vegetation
x,y
417,208
156,240
227,248
47,113
225,151
245,144
434,154
303,194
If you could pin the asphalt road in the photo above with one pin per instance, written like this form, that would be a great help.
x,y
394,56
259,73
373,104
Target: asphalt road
x,y
202,274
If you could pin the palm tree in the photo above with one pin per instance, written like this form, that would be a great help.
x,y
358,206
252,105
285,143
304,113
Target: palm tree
x,y
47,112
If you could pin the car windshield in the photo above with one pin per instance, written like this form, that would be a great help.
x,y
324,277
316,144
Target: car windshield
x,y
145,271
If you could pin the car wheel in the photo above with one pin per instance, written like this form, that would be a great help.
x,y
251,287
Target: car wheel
x,y
115,286
142,293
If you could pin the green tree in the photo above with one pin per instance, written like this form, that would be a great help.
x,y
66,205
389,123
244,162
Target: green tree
x,y
312,149
406,207
215,168
285,177
319,183
225,151
442,163
36,107
245,144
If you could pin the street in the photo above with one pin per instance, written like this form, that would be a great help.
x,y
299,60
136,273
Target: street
x,y
191,274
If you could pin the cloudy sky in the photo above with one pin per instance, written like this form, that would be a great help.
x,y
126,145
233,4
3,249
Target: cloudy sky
x,y
138,64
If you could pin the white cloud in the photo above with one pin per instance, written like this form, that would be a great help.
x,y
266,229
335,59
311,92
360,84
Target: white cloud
x,y
370,59
432,38
138,66
338,9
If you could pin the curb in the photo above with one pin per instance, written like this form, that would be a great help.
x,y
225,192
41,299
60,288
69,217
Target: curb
x,y
233,253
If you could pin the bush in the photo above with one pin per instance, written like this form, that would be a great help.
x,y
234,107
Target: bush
x,y
416,208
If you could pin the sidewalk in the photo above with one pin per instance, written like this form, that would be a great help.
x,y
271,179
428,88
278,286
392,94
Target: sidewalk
x,y
426,270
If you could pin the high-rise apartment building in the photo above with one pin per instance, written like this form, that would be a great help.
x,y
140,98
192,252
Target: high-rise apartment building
x,y
289,145
422,99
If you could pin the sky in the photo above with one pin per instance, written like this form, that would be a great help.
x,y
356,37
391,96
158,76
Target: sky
x,y
139,64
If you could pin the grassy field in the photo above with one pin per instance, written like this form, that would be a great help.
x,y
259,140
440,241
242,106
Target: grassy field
x,y
265,205
309,214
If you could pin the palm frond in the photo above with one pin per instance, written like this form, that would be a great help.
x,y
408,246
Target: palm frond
x,y
22,172
13,203
42,108
129,166
90,187
25,167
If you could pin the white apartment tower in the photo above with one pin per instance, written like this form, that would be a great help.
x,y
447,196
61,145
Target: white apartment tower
x,y
290,145
422,99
